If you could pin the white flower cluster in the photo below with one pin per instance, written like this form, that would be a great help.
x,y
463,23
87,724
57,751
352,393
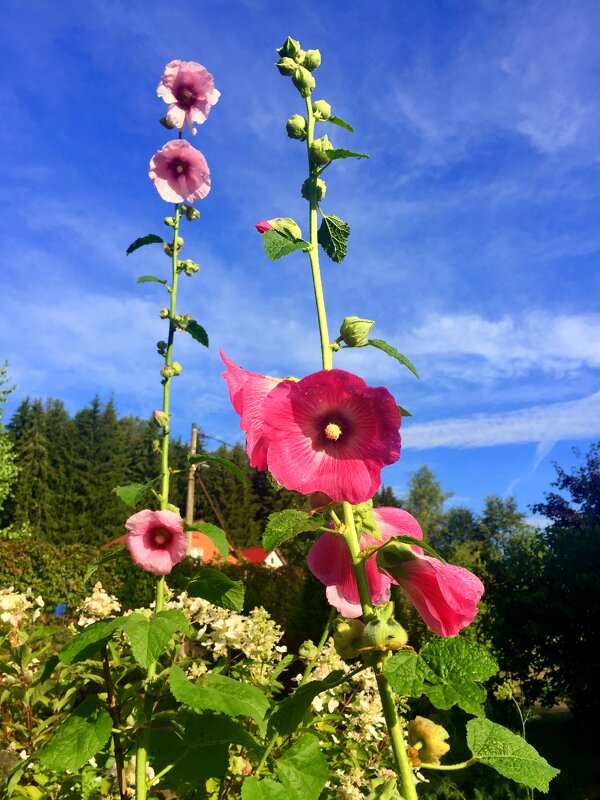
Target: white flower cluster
x,y
99,605
15,605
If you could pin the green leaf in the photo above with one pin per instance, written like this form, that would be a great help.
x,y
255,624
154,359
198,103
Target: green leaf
x,y
151,279
199,458
277,245
267,789
87,643
404,412
218,589
334,155
392,555
303,769
216,692
150,637
209,729
340,123
116,553
217,536
456,666
132,493
333,236
79,738
284,525
385,791
404,673
197,332
151,238
193,762
290,712
16,775
509,754
391,351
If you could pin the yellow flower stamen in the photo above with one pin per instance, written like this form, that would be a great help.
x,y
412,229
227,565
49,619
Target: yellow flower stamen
x,y
333,431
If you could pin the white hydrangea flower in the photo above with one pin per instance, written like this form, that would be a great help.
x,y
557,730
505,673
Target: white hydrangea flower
x,y
99,605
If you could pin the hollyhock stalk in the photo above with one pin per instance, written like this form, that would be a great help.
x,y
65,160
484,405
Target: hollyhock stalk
x,y
388,702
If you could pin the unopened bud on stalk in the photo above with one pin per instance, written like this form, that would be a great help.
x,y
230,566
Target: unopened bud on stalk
x,y
308,650
286,66
177,368
426,741
161,419
191,213
296,127
161,346
321,189
188,266
290,48
321,110
355,331
163,314
287,226
303,81
170,221
318,151
167,371
166,124
383,634
347,637
312,59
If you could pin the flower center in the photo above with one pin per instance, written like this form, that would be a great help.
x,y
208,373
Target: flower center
x,y
180,167
186,96
161,537
333,431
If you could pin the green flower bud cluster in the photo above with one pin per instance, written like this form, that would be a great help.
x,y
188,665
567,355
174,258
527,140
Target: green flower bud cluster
x,y
318,151
298,64
190,212
296,127
321,110
171,370
306,188
354,331
168,246
188,266
347,637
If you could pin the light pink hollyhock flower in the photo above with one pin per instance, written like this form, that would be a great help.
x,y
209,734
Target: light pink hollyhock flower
x,y
189,89
329,561
247,392
264,226
445,596
156,540
180,172
331,433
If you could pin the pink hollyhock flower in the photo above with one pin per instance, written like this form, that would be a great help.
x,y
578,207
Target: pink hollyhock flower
x,y
189,89
180,172
156,540
264,226
330,433
445,596
247,392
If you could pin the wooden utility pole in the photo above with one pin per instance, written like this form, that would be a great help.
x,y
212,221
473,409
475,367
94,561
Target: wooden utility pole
x,y
191,484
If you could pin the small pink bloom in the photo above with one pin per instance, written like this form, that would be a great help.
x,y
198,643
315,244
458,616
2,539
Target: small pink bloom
x,y
189,89
180,172
264,226
247,392
331,433
156,540
445,596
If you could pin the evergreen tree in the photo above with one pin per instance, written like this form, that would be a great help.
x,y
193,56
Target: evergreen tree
x,y
425,501
385,498
8,467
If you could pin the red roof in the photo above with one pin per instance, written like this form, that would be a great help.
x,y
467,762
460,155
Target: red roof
x,y
255,554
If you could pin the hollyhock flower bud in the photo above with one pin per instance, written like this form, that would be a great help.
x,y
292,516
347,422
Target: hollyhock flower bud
x,y
166,124
156,540
163,313
170,221
321,110
355,331
177,368
306,189
318,151
312,59
188,266
348,637
264,226
167,371
296,127
303,81
384,634
189,89
290,48
180,172
426,741
191,213
286,226
286,66
161,419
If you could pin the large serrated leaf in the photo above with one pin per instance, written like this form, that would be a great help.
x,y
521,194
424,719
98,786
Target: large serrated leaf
x,y
284,525
340,123
456,666
303,769
216,692
209,728
277,245
199,458
334,155
151,238
333,236
116,553
149,637
391,351
509,754
78,738
290,712
217,535
90,640
218,589
404,673
267,789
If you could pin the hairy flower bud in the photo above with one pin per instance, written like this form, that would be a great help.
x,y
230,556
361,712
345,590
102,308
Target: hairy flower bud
x,y
290,48
318,151
167,371
306,188
177,368
312,59
383,634
296,127
347,637
355,331
303,81
286,66
163,313
191,213
161,345
188,266
161,419
321,110
286,226
166,124
170,221
308,650
426,741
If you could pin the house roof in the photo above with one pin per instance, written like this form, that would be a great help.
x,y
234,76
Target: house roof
x,y
256,555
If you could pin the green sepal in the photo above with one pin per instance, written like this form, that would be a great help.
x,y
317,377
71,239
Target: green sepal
x,y
276,244
509,754
198,458
218,589
391,351
340,123
78,738
285,525
333,236
403,412
149,637
217,536
151,238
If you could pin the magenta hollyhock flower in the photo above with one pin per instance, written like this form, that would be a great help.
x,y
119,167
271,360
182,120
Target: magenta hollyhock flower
x,y
331,433
189,89
247,392
445,596
180,172
264,226
156,540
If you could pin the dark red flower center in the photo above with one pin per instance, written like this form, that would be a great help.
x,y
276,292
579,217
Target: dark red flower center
x,y
185,97
161,538
180,167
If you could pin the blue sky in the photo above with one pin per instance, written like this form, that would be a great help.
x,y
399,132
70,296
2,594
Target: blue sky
x,y
474,241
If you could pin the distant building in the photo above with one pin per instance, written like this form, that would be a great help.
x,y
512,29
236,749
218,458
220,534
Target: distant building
x,y
203,549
